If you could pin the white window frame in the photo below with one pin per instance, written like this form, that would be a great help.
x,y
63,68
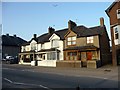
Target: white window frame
x,y
55,43
118,13
71,40
90,39
116,32
33,46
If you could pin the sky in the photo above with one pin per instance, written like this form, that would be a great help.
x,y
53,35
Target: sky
x,y
27,18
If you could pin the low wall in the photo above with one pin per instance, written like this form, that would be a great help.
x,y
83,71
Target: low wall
x,y
93,64
71,64
48,63
24,63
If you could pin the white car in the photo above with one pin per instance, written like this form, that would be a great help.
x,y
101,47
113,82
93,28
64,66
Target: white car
x,y
9,57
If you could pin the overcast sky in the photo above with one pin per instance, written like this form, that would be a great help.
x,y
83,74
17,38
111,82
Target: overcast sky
x,y
27,18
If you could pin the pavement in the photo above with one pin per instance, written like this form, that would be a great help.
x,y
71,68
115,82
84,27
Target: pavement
x,y
105,72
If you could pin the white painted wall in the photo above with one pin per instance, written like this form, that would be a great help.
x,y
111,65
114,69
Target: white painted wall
x,y
33,41
48,63
54,36
39,46
47,45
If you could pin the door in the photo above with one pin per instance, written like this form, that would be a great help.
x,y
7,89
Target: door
x,y
89,55
83,59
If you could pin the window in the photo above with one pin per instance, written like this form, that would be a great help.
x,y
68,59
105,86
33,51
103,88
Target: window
x,y
55,43
23,48
52,56
116,33
33,46
72,53
71,40
90,39
42,46
118,13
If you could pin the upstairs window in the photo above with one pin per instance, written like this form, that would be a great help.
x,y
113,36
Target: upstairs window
x,y
90,39
71,40
55,43
33,46
118,14
23,48
116,33
42,46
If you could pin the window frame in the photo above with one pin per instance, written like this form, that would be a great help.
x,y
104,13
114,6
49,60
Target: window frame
x,y
90,40
55,40
116,33
71,41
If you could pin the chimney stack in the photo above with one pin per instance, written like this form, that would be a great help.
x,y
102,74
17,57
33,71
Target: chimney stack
x,y
34,36
7,34
101,21
71,25
14,35
51,30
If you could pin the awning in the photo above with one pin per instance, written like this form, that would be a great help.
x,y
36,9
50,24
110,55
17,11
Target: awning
x,y
27,52
48,50
83,48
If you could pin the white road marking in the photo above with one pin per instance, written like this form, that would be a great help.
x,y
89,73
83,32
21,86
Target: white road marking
x,y
19,83
8,80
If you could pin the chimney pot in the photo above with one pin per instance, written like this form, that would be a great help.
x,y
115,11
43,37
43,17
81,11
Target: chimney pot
x,y
51,30
7,34
14,35
101,21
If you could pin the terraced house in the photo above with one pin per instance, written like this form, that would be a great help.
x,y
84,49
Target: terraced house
x,y
46,49
75,46
86,47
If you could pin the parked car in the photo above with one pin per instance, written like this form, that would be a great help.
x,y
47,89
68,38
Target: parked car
x,y
10,60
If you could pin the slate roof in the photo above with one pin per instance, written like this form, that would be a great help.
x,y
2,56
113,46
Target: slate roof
x,y
81,31
12,40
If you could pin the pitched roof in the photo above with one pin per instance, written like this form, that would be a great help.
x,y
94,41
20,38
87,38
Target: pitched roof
x,y
81,31
12,40
110,7
45,37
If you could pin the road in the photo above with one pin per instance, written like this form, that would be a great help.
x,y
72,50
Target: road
x,y
27,77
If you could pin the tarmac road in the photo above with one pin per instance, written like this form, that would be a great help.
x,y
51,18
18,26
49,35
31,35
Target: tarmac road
x,y
26,77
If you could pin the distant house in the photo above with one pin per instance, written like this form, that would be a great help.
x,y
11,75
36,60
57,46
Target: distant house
x,y
75,46
86,47
46,48
113,12
11,45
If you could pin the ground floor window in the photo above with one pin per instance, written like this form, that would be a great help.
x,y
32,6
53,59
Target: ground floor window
x,y
53,56
72,56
